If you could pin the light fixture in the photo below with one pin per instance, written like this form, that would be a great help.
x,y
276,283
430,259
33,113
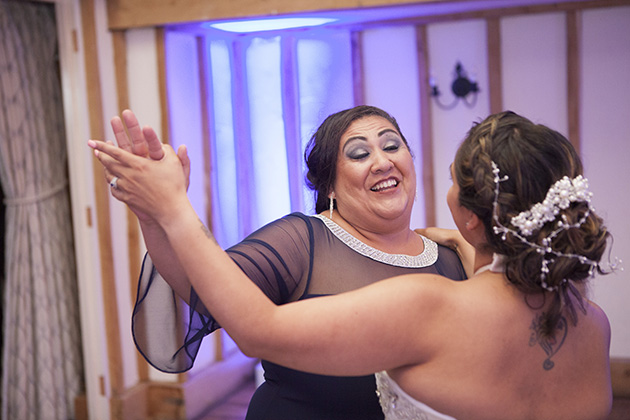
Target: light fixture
x,y
259,25
463,88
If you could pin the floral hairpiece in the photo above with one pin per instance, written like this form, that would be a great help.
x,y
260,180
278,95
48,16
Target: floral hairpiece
x,y
559,197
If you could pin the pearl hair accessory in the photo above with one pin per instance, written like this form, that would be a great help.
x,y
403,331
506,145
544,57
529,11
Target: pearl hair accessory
x,y
559,196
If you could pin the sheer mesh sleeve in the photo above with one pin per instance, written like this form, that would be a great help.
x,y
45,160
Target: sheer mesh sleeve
x,y
449,265
277,257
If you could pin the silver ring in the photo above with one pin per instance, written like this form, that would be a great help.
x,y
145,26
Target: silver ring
x,y
114,182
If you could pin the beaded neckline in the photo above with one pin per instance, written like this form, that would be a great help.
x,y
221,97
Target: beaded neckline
x,y
428,257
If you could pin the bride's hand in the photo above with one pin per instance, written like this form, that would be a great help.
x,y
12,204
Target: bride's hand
x,y
156,188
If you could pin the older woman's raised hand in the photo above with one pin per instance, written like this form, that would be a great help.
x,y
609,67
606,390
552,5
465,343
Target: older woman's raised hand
x,y
152,188
144,141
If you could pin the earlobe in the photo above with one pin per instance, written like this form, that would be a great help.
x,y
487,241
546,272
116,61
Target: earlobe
x,y
473,222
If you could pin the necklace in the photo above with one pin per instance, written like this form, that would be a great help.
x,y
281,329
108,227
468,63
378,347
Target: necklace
x,y
428,257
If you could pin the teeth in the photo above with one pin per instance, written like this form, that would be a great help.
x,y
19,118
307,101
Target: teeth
x,y
385,184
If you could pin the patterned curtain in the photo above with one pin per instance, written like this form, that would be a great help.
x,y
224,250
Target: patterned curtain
x,y
42,362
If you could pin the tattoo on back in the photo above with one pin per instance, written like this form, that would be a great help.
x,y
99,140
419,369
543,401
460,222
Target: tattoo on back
x,y
551,345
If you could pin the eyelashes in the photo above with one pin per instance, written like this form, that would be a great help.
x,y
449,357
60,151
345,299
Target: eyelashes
x,y
357,155
361,152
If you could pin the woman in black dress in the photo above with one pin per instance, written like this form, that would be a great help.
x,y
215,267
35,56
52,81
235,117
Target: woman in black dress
x,y
363,176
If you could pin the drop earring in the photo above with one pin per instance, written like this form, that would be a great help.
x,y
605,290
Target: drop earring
x,y
332,206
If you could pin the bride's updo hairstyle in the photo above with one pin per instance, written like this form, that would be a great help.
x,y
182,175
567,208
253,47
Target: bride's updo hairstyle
x,y
534,158
323,147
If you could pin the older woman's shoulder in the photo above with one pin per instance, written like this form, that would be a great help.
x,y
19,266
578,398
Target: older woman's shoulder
x,y
449,264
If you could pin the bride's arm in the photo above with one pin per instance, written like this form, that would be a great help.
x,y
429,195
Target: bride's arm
x,y
352,333
348,334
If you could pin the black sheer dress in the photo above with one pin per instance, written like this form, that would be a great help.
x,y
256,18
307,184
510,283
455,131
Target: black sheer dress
x,y
293,258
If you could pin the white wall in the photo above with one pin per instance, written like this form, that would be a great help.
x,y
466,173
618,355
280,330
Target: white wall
x,y
534,68
534,84
391,83
449,43
605,125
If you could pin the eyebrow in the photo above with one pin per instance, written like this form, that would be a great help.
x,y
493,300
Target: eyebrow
x,y
380,134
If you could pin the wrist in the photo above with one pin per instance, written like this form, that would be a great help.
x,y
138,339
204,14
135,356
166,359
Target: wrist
x,y
176,217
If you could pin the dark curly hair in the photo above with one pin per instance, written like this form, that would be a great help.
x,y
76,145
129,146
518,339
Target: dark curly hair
x,y
534,157
323,147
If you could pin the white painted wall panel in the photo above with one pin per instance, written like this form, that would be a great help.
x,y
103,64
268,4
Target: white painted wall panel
x,y
391,83
449,43
534,57
605,125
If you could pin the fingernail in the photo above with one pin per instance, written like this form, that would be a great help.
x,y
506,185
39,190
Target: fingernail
x,y
92,144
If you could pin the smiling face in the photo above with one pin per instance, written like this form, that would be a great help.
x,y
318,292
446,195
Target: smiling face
x,y
376,179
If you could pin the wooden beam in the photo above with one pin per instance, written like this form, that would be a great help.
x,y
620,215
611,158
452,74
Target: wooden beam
x,y
161,67
133,231
124,14
101,193
119,44
205,96
495,83
426,131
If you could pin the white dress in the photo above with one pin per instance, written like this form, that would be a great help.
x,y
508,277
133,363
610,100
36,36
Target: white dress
x,y
398,405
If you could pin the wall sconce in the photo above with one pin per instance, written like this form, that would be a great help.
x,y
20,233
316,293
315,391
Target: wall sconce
x,y
462,87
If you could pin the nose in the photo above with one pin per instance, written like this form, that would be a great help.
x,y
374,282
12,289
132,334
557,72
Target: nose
x,y
382,162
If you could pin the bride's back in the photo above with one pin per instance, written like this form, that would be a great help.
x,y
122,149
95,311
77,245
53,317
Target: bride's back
x,y
491,362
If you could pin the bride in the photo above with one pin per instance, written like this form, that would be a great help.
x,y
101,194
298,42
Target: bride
x,y
518,340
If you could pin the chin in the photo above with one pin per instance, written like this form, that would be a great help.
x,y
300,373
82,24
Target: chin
x,y
396,213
